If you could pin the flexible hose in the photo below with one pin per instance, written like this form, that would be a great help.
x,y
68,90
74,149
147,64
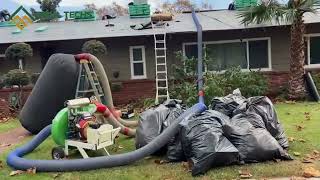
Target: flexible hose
x,y
107,90
16,161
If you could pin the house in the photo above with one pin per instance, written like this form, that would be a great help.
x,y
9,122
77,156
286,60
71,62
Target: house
x,y
131,57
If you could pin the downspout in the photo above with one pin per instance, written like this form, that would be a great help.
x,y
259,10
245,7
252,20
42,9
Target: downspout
x,y
200,60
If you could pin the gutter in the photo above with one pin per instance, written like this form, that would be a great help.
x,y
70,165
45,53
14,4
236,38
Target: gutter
x,y
200,60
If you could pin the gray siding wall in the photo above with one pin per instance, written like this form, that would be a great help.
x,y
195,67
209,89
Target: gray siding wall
x,y
118,55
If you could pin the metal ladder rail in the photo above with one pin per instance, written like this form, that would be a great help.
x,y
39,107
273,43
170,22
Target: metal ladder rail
x,y
161,41
87,71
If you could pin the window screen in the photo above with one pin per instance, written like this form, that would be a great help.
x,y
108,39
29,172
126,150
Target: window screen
x,y
258,51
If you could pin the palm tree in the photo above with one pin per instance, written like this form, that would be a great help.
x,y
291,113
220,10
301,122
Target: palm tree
x,y
19,52
291,14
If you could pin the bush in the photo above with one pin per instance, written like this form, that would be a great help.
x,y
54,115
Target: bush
x,y
184,85
34,78
17,77
2,83
94,47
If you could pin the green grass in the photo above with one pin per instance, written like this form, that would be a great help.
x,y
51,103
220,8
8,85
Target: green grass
x,y
289,114
10,124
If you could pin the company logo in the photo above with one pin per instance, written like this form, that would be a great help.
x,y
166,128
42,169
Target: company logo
x,y
22,22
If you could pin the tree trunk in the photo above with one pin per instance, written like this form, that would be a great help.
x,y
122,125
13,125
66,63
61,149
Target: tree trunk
x,y
297,87
20,64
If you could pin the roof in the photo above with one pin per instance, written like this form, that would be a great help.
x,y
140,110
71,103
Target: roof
x,y
182,23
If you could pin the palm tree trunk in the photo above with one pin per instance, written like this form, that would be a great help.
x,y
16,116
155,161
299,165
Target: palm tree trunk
x,y
297,87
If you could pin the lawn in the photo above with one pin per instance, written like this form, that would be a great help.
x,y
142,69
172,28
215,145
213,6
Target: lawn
x,y
294,117
10,124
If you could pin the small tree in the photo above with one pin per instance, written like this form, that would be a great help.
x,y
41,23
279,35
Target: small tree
x,y
19,52
17,77
94,47
49,5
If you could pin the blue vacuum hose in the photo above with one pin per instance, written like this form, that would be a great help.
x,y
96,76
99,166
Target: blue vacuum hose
x,y
16,160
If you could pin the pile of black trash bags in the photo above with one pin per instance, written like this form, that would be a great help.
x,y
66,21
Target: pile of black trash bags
x,y
235,130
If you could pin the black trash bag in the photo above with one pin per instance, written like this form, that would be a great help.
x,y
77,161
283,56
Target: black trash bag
x,y
254,144
174,148
204,144
154,120
263,106
228,104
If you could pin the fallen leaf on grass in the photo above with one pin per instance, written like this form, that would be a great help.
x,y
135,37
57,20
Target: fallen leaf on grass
x,y
1,165
31,171
120,147
316,152
158,161
296,153
287,113
28,171
17,172
307,160
4,145
311,172
277,160
56,175
302,140
299,127
187,166
245,174
291,139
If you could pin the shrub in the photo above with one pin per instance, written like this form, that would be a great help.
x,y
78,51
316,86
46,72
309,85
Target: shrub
x,y
18,52
94,47
17,77
2,83
215,84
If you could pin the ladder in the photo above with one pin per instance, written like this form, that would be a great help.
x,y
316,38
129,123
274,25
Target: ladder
x,y
160,50
88,83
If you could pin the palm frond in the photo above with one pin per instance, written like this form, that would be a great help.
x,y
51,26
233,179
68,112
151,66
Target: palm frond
x,y
264,12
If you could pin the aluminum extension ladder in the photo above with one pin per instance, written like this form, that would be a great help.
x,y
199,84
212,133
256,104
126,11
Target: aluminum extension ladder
x,y
88,83
160,50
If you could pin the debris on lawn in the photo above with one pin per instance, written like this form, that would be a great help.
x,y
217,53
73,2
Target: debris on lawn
x,y
1,165
291,139
290,102
187,166
307,160
302,140
158,161
296,153
299,127
310,172
56,175
245,174
28,171
307,116
4,145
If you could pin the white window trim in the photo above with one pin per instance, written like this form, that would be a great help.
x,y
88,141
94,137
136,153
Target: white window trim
x,y
269,68
308,65
144,76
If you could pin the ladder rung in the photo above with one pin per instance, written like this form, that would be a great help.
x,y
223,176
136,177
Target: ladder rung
x,y
160,41
162,96
161,79
85,91
160,56
160,48
161,72
161,64
163,87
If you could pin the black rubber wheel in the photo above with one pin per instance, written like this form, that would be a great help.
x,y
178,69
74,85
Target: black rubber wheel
x,y
57,153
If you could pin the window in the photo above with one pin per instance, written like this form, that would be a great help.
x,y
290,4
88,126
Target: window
x,y
314,45
248,54
138,62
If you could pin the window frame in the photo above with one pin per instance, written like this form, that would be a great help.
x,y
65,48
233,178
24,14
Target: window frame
x,y
247,40
132,62
308,65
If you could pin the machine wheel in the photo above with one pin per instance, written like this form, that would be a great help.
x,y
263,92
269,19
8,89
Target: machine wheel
x,y
57,153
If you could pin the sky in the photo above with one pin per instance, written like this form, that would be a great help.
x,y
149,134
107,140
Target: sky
x,y
11,5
